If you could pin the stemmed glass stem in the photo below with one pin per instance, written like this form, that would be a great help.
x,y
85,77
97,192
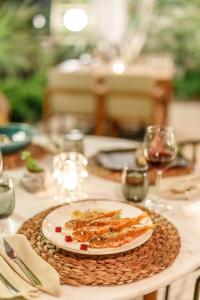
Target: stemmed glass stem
x,y
156,202
158,182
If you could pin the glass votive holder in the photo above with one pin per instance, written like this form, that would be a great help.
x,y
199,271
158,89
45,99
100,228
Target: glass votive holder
x,y
135,184
73,141
69,172
7,196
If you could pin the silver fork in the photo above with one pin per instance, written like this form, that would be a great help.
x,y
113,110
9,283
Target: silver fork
x,y
9,286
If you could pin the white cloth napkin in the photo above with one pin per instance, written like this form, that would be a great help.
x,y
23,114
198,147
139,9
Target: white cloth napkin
x,y
42,270
26,291
183,187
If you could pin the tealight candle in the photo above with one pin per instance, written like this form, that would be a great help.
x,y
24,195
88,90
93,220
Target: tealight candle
x,y
69,171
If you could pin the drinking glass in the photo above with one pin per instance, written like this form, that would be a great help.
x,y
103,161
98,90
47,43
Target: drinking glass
x,y
7,196
160,150
7,203
1,162
135,184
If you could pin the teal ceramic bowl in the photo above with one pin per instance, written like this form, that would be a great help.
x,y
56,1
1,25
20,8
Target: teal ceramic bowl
x,y
19,136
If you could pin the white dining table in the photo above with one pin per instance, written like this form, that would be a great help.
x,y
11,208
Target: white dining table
x,y
185,215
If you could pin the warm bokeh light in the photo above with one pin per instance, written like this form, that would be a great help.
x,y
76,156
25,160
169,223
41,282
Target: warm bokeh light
x,y
118,67
75,19
39,21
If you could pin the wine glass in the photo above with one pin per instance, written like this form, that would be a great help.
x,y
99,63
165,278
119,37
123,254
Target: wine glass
x,y
160,150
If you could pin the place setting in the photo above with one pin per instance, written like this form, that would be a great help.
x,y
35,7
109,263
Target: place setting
x,y
87,241
83,260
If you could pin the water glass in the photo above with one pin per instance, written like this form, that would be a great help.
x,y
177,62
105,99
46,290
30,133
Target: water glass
x,y
135,184
73,141
7,196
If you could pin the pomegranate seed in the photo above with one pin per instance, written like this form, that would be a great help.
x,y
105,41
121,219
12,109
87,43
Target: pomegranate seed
x,y
58,229
68,238
83,247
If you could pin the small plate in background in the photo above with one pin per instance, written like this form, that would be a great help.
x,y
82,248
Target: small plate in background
x,y
19,136
117,159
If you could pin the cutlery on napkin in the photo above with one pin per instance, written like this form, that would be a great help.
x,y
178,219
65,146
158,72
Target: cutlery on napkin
x,y
14,256
9,278
47,275
184,187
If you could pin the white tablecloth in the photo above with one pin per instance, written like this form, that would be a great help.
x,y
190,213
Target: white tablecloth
x,y
185,215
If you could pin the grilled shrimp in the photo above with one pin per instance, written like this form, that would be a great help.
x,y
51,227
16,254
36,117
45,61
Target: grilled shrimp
x,y
118,239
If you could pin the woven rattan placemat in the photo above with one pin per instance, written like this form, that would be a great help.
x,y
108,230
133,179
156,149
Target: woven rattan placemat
x,y
13,160
152,257
95,169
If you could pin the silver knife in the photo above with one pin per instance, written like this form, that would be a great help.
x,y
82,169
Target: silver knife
x,y
13,255
9,286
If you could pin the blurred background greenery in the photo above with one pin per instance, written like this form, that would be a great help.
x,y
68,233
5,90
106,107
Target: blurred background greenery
x,y
26,52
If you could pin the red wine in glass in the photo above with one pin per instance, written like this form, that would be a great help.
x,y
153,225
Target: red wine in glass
x,y
160,159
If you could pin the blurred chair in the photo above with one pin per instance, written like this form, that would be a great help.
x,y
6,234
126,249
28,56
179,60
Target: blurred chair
x,y
4,110
190,148
133,102
71,96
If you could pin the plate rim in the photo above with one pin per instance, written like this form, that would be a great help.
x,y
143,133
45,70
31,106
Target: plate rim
x,y
111,250
110,152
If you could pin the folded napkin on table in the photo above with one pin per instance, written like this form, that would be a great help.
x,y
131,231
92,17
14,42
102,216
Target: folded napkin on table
x,y
41,269
26,291
183,187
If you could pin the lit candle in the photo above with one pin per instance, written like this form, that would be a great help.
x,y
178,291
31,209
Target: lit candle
x,y
69,171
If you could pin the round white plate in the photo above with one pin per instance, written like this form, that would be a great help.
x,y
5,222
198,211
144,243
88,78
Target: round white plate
x,y
64,213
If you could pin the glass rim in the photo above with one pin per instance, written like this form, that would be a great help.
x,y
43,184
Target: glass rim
x,y
73,135
70,155
159,128
5,178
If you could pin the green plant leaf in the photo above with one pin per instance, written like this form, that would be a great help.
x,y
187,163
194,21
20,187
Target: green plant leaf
x,y
25,155
31,164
